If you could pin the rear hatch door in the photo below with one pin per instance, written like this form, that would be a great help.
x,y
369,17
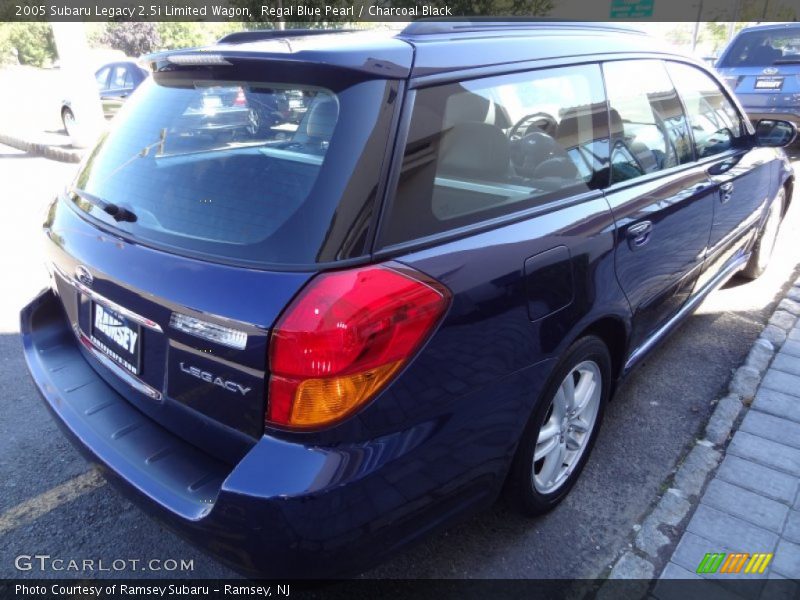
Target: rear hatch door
x,y
197,218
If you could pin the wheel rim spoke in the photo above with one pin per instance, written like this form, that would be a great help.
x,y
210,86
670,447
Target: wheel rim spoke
x,y
550,430
579,425
552,465
569,393
545,449
584,392
572,441
559,404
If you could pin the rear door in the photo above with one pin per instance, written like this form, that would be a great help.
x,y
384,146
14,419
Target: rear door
x,y
740,173
102,78
120,85
661,199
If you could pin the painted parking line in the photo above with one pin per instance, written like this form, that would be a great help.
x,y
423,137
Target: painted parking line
x,y
35,507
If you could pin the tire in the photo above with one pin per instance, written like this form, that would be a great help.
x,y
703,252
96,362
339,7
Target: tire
x,y
762,253
68,119
529,487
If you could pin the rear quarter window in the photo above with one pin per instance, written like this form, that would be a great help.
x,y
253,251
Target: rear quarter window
x,y
485,148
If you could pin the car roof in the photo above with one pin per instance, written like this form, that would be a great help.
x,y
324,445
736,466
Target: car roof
x,y
770,26
434,47
440,50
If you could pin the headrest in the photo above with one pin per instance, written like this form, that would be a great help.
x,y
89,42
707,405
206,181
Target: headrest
x,y
582,125
615,121
475,151
322,119
466,106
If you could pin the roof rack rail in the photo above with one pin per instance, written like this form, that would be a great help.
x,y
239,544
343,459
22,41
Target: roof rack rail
x,y
240,37
435,26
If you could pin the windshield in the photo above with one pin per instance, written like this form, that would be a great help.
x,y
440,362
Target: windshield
x,y
764,48
234,169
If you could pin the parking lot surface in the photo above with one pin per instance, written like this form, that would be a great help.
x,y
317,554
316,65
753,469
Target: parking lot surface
x,y
52,504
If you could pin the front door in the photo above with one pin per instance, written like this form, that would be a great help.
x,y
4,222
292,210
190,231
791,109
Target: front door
x,y
740,174
661,199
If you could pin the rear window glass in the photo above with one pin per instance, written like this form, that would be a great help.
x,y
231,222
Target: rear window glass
x,y
485,148
228,168
764,48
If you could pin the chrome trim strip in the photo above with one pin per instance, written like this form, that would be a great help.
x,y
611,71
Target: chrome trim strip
x,y
128,378
301,157
500,189
690,305
193,326
136,318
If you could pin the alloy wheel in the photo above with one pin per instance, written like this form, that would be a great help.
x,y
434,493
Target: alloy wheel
x,y
567,428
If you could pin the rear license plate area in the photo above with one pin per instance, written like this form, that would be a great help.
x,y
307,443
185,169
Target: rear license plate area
x,y
117,337
769,83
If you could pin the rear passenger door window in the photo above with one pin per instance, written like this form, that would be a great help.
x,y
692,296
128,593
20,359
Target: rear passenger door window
x,y
101,77
714,120
649,131
484,148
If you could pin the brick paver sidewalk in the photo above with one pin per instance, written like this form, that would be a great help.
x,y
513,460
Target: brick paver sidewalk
x,y
752,505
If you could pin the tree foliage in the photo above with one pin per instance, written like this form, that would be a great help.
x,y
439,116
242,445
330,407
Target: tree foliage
x,y
133,38
176,35
29,43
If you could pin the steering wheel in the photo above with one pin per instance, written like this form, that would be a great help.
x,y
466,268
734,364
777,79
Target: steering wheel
x,y
543,121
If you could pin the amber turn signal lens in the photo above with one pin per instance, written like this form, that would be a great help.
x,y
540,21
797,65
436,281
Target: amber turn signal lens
x,y
322,401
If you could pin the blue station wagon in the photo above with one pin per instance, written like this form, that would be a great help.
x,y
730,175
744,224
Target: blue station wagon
x,y
306,342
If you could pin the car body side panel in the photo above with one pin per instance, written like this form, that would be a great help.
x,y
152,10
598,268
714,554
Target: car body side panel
x,y
659,274
738,209
488,333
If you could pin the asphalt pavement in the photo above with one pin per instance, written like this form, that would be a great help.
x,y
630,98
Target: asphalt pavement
x,y
49,505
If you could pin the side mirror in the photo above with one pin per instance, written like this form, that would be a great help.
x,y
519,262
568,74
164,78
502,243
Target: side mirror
x,y
775,134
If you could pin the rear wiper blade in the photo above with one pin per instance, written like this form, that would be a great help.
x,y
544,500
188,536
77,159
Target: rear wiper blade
x,y
118,212
787,61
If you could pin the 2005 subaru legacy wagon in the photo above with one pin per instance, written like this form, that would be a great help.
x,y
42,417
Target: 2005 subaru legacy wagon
x,y
305,342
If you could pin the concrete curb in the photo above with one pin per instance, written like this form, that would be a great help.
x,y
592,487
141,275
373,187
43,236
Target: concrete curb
x,y
51,152
662,525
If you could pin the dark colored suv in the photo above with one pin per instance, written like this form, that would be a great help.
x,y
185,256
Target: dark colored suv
x,y
762,66
308,342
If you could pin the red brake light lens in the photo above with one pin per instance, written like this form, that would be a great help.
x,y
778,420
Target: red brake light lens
x,y
343,339
241,99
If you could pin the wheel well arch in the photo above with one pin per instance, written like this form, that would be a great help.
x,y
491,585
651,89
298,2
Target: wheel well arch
x,y
614,333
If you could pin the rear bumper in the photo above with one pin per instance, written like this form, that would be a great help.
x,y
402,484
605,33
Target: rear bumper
x,y
285,510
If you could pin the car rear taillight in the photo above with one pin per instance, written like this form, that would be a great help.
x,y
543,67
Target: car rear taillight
x,y
343,339
241,99
732,81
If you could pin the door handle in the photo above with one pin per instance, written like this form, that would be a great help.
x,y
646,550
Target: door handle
x,y
639,233
725,192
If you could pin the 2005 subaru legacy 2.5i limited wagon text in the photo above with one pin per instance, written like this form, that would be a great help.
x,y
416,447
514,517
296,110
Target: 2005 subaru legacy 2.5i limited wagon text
x,y
305,338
